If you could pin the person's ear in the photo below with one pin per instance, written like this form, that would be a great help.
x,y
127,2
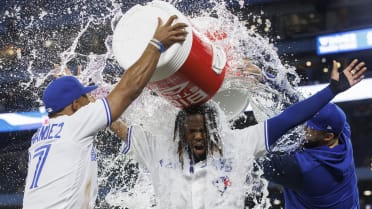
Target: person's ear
x,y
329,136
75,105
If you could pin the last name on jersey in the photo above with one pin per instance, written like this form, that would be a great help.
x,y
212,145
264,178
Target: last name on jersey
x,y
46,132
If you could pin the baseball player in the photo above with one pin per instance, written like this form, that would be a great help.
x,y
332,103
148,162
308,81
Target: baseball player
x,y
322,174
62,168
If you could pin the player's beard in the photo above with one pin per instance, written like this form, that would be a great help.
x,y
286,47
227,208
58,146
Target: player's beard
x,y
312,144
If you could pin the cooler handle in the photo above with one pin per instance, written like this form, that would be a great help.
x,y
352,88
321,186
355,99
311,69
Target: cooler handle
x,y
219,59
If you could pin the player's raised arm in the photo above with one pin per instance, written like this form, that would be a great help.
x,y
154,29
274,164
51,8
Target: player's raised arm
x,y
304,110
137,76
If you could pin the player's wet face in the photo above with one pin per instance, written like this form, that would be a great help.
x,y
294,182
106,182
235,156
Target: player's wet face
x,y
314,138
196,136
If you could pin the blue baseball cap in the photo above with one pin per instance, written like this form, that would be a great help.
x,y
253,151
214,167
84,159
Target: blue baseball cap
x,y
62,92
330,118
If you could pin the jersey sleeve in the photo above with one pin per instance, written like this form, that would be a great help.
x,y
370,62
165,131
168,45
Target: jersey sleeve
x,y
283,169
297,114
141,145
88,120
253,139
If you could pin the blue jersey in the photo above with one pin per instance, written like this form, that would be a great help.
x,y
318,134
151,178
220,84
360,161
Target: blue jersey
x,y
320,177
328,178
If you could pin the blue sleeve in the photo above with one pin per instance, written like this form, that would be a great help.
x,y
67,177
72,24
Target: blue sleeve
x,y
346,132
297,114
283,169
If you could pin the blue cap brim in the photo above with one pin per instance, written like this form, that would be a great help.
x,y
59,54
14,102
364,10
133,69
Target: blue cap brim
x,y
313,126
88,89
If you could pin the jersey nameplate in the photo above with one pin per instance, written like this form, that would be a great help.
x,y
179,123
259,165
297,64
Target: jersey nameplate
x,y
50,131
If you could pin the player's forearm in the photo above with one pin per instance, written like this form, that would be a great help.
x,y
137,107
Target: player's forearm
x,y
297,114
120,129
304,110
133,81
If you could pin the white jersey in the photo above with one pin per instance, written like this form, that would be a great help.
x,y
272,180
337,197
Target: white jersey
x,y
62,168
216,183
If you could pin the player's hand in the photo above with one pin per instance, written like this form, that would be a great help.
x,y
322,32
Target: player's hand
x,y
170,33
354,72
349,77
250,71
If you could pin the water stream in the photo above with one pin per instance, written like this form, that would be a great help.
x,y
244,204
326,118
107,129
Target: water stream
x,y
49,38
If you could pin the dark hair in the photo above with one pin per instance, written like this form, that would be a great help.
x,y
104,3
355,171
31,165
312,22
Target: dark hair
x,y
209,113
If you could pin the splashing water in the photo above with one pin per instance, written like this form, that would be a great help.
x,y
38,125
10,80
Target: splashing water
x,y
48,39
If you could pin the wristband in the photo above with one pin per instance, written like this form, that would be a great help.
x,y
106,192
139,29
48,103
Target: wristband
x,y
341,85
157,44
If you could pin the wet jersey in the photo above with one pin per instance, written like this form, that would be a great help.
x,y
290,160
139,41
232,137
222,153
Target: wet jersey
x,y
217,182
62,167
